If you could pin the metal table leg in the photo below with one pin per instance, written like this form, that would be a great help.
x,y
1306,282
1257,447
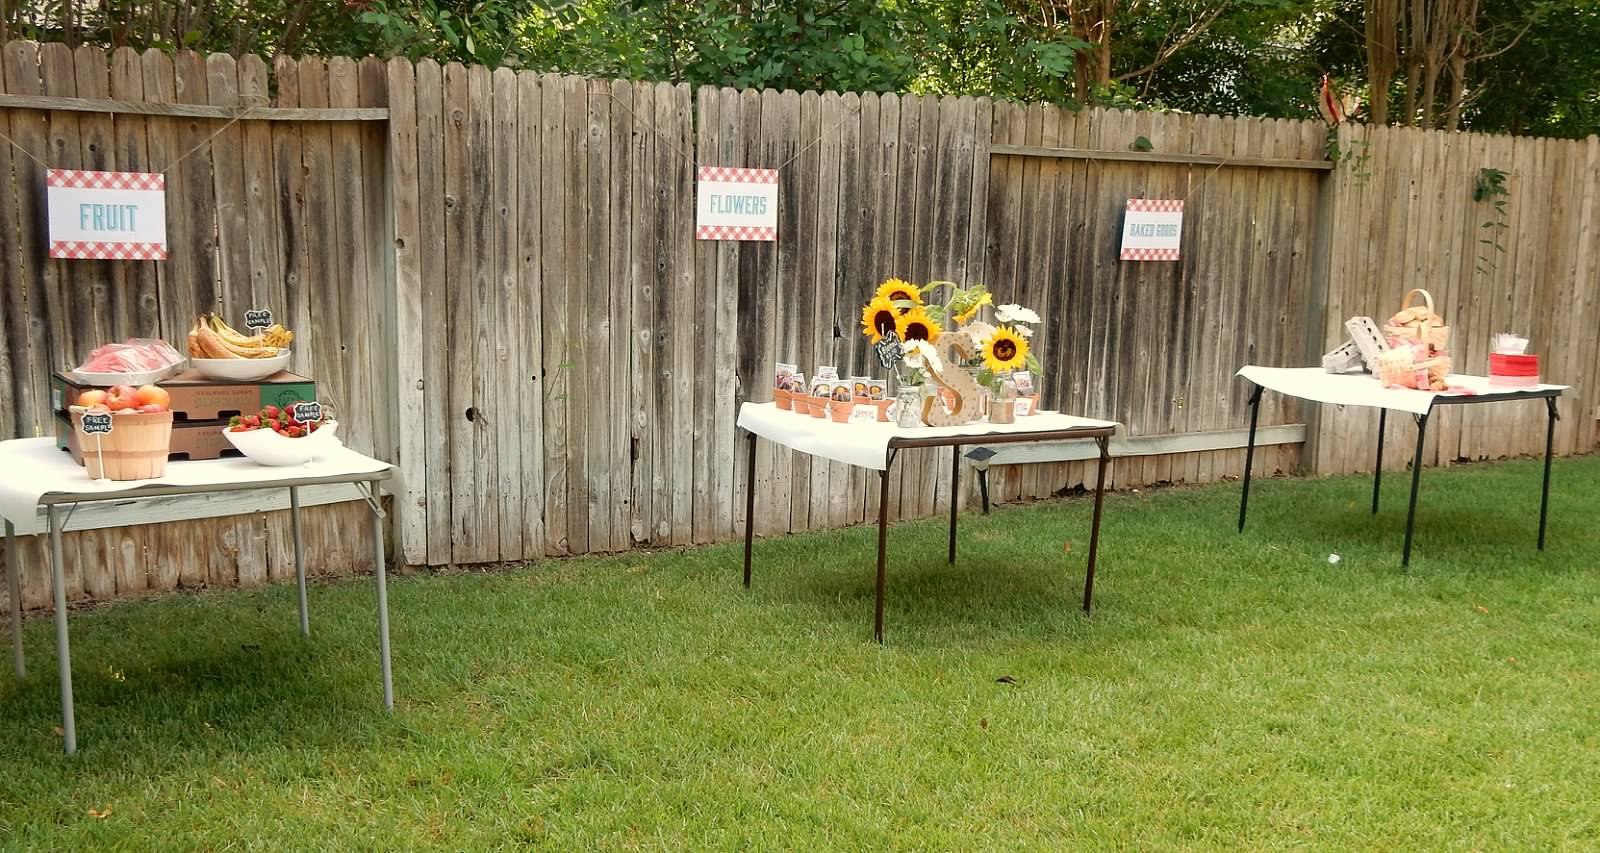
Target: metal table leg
x,y
14,587
1377,469
883,546
749,505
983,487
58,585
383,597
299,560
1549,445
1249,454
955,496
1094,529
1416,477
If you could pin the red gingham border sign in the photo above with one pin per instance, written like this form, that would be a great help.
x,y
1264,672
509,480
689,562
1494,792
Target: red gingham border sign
x,y
67,188
713,224
1154,206
734,232
78,179
736,175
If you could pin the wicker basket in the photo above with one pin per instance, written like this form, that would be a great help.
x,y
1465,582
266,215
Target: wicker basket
x,y
1401,368
1419,323
135,449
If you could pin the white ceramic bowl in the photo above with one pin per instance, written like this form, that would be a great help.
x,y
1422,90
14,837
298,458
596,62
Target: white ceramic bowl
x,y
265,447
240,369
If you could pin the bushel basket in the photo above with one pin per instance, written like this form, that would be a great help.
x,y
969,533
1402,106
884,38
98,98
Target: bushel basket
x,y
135,449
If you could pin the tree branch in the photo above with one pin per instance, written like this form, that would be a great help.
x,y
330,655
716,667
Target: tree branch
x,y
1162,56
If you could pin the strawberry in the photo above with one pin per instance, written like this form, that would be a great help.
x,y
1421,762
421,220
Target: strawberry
x,y
270,411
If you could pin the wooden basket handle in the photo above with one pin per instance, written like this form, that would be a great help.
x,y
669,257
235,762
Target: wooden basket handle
x,y
1426,296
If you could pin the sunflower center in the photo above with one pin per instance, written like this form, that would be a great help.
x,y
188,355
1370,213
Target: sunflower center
x,y
1005,350
916,332
899,294
883,321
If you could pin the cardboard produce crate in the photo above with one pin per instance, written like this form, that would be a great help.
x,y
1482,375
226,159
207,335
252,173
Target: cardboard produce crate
x,y
201,400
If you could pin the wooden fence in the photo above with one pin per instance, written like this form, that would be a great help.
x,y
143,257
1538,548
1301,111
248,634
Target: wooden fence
x,y
494,275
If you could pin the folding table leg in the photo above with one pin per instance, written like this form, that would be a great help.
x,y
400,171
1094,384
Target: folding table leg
x,y
1249,454
1377,468
883,548
1094,529
749,505
1416,477
58,585
14,587
299,560
1549,445
955,497
983,487
383,599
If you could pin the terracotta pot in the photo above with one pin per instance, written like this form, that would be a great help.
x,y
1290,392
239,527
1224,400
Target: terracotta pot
x,y
1033,406
840,410
817,407
883,409
783,398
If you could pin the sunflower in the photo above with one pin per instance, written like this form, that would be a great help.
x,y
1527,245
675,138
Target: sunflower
x,y
916,325
968,314
896,290
1005,350
878,318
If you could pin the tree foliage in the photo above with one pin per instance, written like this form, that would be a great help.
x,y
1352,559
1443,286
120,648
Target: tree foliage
x,y
1525,66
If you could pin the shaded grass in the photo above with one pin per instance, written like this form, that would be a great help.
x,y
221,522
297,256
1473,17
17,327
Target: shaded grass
x,y
1229,691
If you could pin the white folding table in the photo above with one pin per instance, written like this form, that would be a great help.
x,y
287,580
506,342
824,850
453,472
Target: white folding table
x,y
875,445
39,476
1319,386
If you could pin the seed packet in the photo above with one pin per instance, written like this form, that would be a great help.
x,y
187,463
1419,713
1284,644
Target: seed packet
x,y
877,389
1024,381
860,386
784,373
821,387
796,383
841,392
827,371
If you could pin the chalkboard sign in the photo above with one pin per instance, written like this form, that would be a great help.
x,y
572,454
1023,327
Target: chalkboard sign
x,y
307,412
889,351
258,318
97,424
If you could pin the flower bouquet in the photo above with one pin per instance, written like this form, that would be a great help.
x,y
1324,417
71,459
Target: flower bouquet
x,y
949,344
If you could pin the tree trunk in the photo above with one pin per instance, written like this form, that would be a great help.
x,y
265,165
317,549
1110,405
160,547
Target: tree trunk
x,y
1458,91
1430,85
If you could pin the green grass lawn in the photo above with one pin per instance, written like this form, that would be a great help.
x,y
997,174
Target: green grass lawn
x,y
1229,691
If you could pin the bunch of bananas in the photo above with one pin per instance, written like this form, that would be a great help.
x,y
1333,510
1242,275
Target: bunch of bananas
x,y
211,337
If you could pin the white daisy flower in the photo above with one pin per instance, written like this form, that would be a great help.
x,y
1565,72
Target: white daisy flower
x,y
1014,313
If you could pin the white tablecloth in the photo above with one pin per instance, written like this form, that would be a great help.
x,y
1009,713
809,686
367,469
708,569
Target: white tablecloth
x,y
34,467
1314,383
867,444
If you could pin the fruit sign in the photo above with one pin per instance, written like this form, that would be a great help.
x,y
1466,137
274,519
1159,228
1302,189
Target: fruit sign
x,y
118,216
308,412
737,204
258,318
1152,229
96,424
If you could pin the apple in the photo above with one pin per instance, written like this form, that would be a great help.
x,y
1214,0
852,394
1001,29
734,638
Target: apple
x,y
152,395
92,397
121,398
